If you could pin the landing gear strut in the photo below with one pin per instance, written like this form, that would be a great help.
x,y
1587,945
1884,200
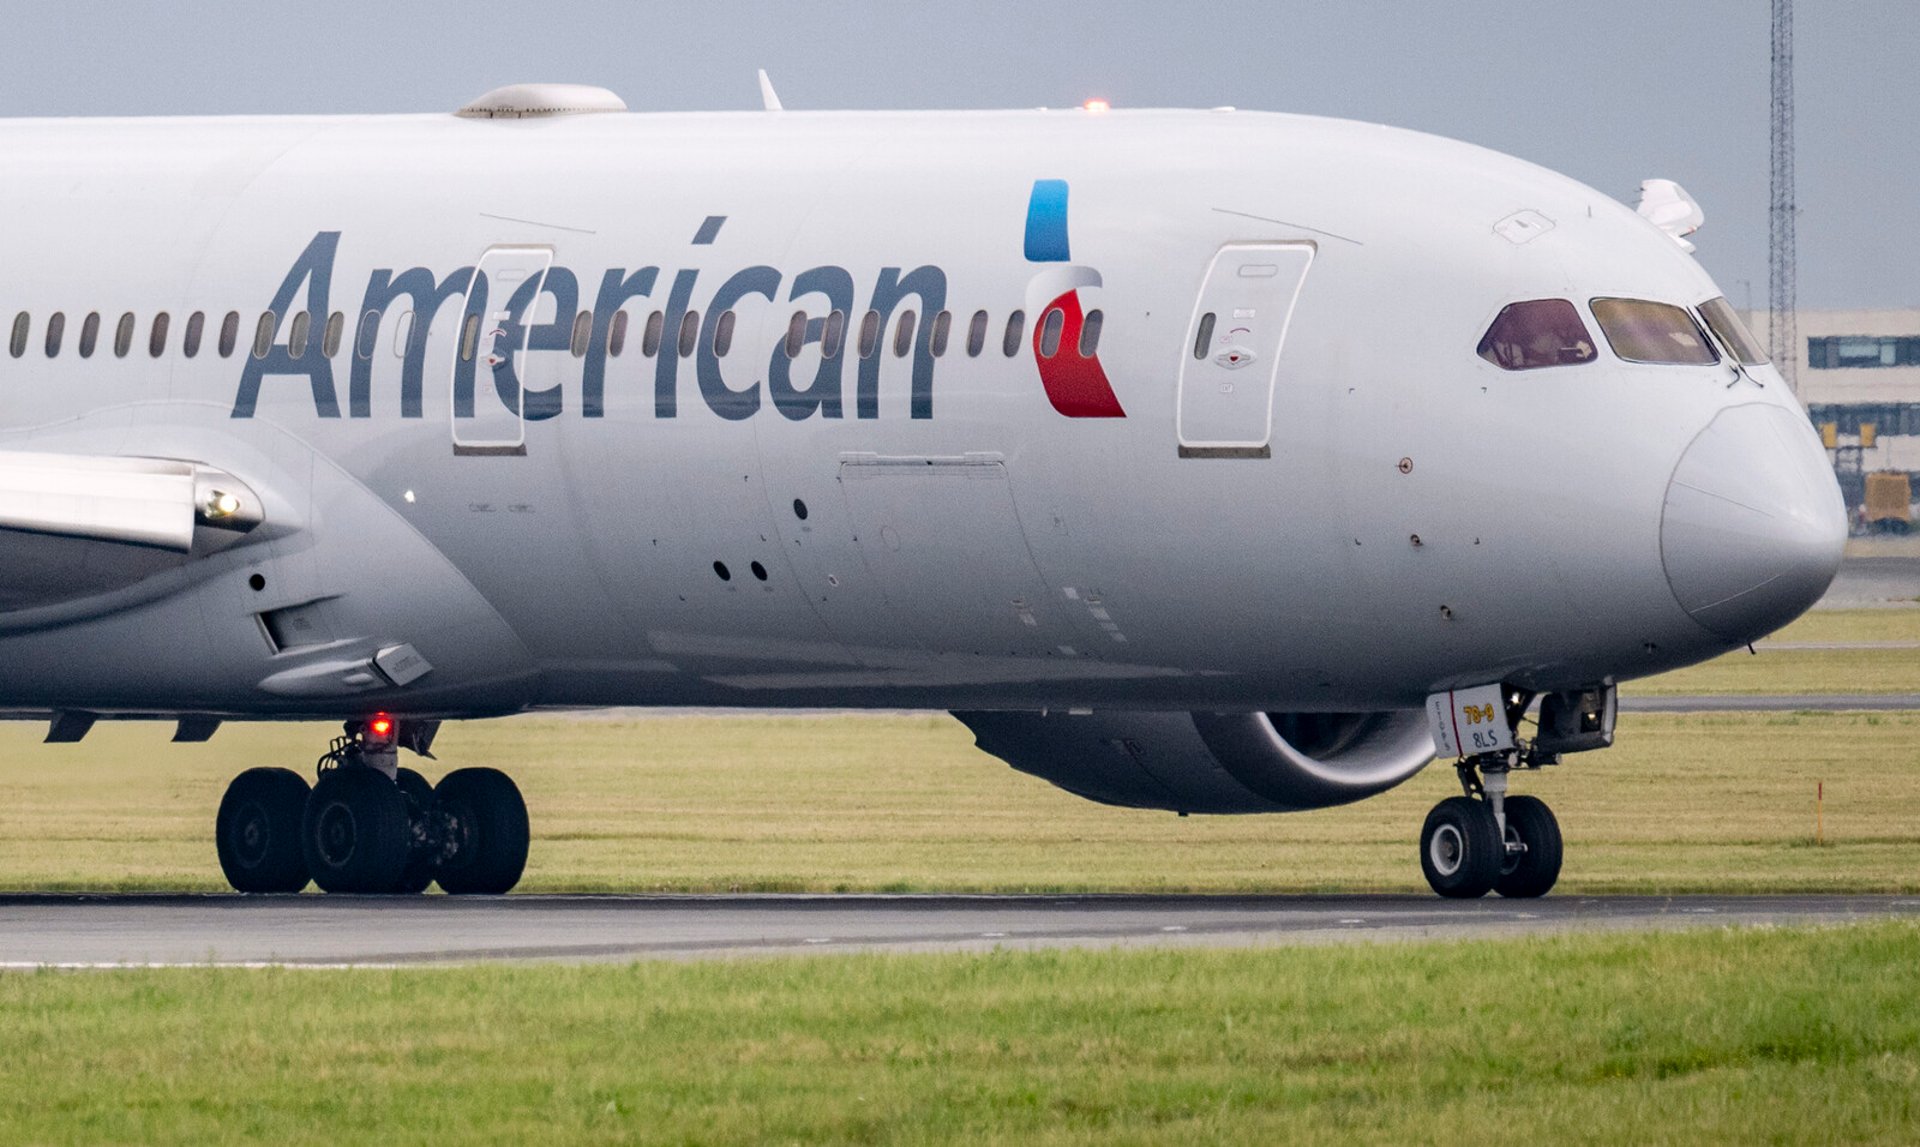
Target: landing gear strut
x,y
1488,841
368,825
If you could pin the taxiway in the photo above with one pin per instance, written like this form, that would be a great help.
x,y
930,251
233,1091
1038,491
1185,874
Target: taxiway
x,y
329,931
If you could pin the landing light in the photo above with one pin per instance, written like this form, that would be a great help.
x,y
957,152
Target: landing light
x,y
222,505
1097,106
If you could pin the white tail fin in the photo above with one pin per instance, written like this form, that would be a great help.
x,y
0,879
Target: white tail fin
x,y
769,97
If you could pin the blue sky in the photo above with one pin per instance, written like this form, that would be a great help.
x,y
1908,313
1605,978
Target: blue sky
x,y
1609,93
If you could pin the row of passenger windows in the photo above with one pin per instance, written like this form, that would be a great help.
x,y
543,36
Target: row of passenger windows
x,y
125,329
1550,332
831,334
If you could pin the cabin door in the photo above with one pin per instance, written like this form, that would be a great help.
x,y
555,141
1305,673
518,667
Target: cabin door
x,y
1232,356
490,350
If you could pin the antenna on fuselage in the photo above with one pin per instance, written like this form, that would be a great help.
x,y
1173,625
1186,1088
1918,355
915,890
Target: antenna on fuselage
x,y
769,98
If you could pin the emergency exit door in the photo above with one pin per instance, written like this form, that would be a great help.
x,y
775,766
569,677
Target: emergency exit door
x,y
489,360
1232,358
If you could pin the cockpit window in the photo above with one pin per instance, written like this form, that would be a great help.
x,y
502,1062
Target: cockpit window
x,y
1640,330
1733,334
1537,333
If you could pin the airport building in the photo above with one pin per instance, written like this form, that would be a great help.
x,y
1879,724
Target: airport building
x,y
1859,375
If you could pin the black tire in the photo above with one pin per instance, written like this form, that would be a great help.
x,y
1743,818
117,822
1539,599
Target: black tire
x,y
418,794
1533,872
486,824
1460,848
355,831
257,831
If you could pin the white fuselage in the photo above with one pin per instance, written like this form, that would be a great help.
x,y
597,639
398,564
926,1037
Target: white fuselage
x,y
1397,515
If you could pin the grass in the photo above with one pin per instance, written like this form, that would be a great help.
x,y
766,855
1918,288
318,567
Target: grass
x,y
1853,625
1694,1037
1777,670
1791,671
1682,803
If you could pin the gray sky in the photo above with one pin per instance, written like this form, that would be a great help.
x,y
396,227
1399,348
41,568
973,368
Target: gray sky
x,y
1609,92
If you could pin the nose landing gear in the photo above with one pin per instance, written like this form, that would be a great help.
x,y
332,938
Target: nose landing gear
x,y
1487,841
370,826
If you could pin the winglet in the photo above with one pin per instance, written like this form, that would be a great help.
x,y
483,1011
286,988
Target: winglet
x,y
769,97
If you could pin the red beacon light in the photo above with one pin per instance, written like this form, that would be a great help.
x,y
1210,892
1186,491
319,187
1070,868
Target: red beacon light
x,y
381,725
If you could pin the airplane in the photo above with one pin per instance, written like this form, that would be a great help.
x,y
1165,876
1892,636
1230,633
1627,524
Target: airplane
x,y
1205,461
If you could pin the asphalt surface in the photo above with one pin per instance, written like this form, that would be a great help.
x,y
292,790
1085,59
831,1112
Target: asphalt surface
x,y
326,931
1769,702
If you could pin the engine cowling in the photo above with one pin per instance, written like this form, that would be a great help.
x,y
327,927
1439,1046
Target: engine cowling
x,y
1211,762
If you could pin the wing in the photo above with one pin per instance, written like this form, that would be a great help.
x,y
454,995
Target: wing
x,y
75,524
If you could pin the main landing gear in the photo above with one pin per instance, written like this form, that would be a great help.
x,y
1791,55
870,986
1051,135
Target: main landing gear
x,y
369,825
1487,841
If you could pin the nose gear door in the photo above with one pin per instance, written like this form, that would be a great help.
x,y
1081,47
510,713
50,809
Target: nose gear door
x,y
1233,349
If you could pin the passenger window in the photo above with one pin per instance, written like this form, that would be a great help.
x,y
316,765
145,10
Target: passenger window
x,y
1203,337
17,346
229,333
56,326
89,334
977,334
1640,330
796,334
869,334
469,337
196,329
402,334
723,335
263,334
903,334
650,337
368,336
157,338
1725,322
582,333
1016,326
330,342
617,334
1535,334
123,335
297,333
942,323
1050,328
1090,333
833,336
689,333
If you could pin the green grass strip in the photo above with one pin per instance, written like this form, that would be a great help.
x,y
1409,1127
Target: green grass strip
x,y
1696,1037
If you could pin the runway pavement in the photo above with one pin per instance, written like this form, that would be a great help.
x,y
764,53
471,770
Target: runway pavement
x,y
326,931
1769,702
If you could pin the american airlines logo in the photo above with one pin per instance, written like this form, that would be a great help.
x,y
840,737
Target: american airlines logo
x,y
409,309
1062,343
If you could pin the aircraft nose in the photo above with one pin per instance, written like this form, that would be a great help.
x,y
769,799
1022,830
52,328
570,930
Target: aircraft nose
x,y
1754,522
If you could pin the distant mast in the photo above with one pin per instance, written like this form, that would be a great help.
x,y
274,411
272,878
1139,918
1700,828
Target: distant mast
x,y
1783,342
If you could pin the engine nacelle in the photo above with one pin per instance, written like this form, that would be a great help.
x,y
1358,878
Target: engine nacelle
x,y
1211,762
